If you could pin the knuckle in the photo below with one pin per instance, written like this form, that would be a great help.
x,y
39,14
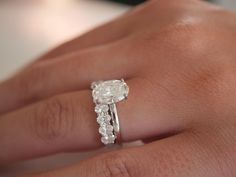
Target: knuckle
x,y
208,81
181,39
53,119
118,165
212,83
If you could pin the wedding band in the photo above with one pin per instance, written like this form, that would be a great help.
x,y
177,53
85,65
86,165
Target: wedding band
x,y
105,96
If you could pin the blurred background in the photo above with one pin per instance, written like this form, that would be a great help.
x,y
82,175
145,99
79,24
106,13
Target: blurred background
x,y
29,28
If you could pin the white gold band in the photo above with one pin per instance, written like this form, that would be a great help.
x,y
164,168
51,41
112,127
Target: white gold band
x,y
115,122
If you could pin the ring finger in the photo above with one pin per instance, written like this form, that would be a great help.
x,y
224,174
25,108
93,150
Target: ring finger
x,y
68,122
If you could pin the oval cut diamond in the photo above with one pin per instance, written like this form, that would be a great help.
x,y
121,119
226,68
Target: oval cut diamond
x,y
111,91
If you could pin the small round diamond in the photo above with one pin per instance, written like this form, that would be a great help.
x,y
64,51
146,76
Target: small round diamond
x,y
102,119
101,108
108,139
106,130
107,118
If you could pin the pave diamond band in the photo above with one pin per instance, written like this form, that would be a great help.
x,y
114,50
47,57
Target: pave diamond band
x,y
105,96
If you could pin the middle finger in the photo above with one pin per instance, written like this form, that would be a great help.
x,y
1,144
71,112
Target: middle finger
x,y
70,73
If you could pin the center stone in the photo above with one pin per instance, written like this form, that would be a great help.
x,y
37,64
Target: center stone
x,y
112,91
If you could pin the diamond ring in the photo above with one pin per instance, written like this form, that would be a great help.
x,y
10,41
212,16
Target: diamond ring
x,y
105,96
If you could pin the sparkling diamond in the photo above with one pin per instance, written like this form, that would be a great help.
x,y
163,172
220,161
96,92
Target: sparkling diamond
x,y
101,108
106,130
111,91
107,118
102,119
108,139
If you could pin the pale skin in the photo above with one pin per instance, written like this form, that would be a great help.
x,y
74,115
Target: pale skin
x,y
179,60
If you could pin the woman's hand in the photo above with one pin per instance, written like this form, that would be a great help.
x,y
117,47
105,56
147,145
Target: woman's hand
x,y
179,60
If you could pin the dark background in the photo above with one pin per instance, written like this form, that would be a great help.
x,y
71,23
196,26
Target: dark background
x,y
131,2
135,2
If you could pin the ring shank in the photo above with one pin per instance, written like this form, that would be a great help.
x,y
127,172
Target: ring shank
x,y
115,122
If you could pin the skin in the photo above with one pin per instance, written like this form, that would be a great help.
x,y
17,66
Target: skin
x,y
179,60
